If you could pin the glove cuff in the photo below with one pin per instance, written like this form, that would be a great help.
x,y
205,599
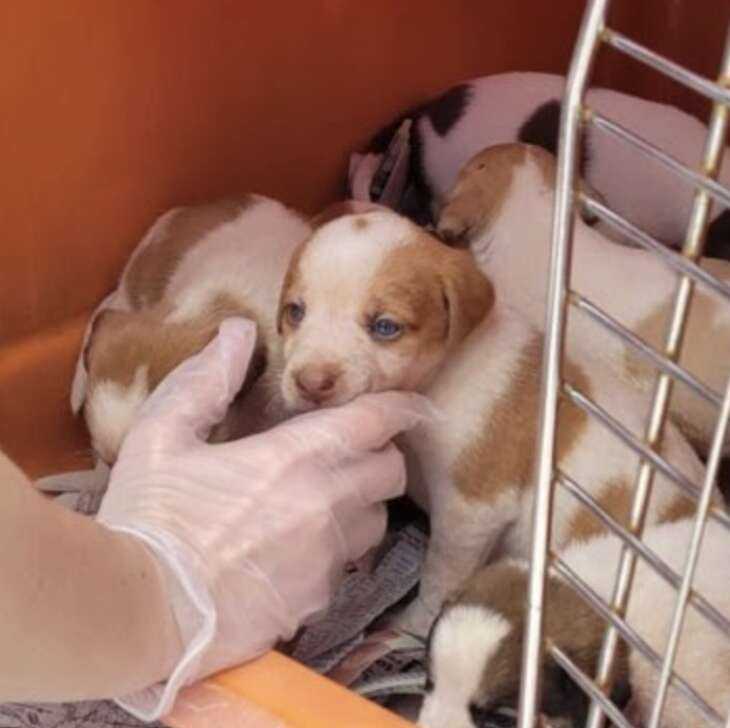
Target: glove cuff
x,y
195,613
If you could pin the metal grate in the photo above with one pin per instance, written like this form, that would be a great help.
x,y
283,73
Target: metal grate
x,y
575,116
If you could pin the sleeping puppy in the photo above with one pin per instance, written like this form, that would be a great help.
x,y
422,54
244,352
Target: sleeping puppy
x,y
501,207
195,267
475,648
447,131
372,302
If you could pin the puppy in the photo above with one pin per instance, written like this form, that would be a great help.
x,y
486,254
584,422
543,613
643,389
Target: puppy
x,y
195,267
475,649
525,107
372,302
501,207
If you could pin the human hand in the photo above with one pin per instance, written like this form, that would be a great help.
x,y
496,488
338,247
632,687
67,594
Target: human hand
x,y
252,535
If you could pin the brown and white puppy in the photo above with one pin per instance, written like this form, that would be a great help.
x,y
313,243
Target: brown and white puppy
x,y
372,302
501,207
194,267
475,647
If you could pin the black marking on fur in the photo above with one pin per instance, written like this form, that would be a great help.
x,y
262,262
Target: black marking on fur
x,y
443,112
717,242
562,697
541,129
447,109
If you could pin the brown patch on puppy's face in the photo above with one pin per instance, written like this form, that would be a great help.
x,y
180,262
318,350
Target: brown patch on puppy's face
x,y
372,302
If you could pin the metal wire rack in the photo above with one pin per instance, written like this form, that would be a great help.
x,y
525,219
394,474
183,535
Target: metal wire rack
x,y
575,117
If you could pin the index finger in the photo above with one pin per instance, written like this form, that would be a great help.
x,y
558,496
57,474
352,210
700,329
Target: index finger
x,y
367,423
195,396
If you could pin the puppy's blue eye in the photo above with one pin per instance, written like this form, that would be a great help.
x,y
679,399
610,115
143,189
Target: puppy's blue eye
x,y
294,313
386,329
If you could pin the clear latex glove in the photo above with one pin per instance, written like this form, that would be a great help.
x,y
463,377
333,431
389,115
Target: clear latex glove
x,y
252,535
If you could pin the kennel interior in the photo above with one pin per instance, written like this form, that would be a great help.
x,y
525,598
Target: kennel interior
x,y
113,112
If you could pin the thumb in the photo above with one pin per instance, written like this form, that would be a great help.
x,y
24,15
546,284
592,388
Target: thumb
x,y
196,395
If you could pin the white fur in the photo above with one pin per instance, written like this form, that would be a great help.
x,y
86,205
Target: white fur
x,y
245,259
467,387
337,268
628,283
703,658
634,185
463,643
111,411
464,532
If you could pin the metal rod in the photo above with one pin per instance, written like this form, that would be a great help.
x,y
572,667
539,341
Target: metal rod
x,y
562,231
667,573
692,249
691,563
651,457
669,68
646,351
587,685
672,259
718,191
712,159
629,439
629,634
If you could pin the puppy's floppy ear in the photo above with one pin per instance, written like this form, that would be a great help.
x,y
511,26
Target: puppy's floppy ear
x,y
467,293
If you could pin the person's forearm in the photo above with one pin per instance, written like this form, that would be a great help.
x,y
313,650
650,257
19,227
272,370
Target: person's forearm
x,y
81,607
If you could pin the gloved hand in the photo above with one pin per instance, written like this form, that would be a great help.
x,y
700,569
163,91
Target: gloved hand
x,y
252,535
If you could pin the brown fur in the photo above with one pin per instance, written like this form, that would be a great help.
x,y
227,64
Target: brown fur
x,y
360,223
510,461
615,499
484,183
340,209
458,298
679,508
703,340
477,197
575,628
124,341
152,269
437,293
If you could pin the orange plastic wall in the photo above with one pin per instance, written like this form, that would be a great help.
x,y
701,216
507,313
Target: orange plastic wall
x,y
113,111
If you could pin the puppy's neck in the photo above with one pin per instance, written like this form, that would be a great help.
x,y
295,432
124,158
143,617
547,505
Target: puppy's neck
x,y
524,217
